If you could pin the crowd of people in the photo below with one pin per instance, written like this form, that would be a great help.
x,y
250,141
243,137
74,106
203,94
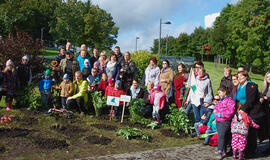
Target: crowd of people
x,y
238,113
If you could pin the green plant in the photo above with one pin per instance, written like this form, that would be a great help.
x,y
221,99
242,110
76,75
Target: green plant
x,y
136,111
178,120
131,133
29,97
153,124
99,102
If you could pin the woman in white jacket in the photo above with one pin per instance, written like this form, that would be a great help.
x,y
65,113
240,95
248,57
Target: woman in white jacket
x,y
152,72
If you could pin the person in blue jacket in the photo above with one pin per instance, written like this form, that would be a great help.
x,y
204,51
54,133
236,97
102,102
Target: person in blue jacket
x,y
45,86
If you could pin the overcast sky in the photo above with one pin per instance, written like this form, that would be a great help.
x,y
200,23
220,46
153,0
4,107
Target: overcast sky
x,y
140,18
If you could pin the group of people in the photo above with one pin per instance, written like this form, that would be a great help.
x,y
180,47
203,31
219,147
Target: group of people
x,y
237,105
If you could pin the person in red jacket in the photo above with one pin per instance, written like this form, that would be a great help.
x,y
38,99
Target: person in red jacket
x,y
117,92
110,87
103,83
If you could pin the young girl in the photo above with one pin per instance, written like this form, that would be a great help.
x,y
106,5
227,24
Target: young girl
x,y
158,101
239,128
103,83
24,72
223,110
10,83
117,92
66,88
93,80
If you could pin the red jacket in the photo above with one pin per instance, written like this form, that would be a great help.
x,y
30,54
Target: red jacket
x,y
109,90
102,86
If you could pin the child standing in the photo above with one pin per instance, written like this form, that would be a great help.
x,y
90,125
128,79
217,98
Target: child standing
x,y
45,86
117,92
158,101
93,80
110,87
239,128
103,83
66,88
224,111
24,72
10,83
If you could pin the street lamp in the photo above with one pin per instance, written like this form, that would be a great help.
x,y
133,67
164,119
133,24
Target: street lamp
x,y
136,43
168,22
167,45
41,36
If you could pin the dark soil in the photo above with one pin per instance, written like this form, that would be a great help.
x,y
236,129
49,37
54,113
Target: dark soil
x,y
69,130
2,149
50,143
105,127
103,117
170,133
29,121
14,132
130,124
99,140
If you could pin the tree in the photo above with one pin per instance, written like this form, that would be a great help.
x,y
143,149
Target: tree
x,y
81,22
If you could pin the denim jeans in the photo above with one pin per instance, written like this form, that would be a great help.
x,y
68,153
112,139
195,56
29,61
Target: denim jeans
x,y
222,128
197,114
45,95
64,102
196,126
208,131
188,108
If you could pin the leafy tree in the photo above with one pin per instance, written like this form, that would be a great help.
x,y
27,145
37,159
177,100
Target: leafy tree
x,y
81,22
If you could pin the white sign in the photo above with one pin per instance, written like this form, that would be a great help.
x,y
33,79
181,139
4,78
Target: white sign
x,y
113,101
125,98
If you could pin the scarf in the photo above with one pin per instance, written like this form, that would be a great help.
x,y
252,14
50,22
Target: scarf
x,y
134,91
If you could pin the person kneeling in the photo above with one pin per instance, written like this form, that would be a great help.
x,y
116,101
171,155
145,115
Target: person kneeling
x,y
80,95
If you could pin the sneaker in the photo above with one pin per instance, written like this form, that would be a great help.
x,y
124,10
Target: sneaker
x,y
205,143
220,155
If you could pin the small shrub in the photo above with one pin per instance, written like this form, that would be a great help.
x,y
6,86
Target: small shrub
x,y
136,112
178,120
99,102
132,133
153,125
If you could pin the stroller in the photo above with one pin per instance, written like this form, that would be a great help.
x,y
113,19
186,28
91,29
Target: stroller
x,y
54,109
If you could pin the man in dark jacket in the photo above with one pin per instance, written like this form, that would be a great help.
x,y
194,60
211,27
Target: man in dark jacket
x,y
95,56
118,54
226,81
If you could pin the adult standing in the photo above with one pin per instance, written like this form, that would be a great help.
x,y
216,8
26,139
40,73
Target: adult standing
x,y
69,47
113,67
202,94
62,54
69,65
127,72
118,53
95,56
226,81
82,58
248,96
179,84
24,72
265,101
80,94
166,77
102,61
152,72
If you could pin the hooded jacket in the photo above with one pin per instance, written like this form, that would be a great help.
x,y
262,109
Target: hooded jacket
x,y
224,109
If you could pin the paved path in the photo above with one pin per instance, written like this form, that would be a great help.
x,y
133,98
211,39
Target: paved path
x,y
191,152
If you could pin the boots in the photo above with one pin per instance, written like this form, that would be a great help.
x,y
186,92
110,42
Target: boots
x,y
241,155
8,106
234,154
158,120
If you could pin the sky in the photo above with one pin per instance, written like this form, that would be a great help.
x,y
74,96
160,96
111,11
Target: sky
x,y
141,18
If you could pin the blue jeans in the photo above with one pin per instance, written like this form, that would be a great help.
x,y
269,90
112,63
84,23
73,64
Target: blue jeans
x,y
196,126
197,113
188,108
222,128
208,137
64,102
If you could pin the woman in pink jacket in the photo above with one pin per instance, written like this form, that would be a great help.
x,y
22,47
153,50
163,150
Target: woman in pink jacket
x,y
224,111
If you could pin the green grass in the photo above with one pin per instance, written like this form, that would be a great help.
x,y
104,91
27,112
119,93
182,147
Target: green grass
x,y
50,52
216,74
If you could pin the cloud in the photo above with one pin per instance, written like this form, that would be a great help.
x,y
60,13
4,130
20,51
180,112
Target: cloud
x,y
235,1
210,19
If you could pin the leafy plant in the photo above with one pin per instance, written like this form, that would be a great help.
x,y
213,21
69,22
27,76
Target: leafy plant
x,y
178,120
29,97
132,133
99,102
135,110
153,124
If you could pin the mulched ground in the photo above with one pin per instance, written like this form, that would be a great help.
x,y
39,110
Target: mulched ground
x,y
99,140
50,143
105,127
13,132
170,133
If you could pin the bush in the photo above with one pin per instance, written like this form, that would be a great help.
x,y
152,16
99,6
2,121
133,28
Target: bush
x,y
132,133
29,97
178,120
142,60
14,47
136,112
99,102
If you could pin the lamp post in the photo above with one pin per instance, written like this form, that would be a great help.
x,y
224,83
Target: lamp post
x,y
136,43
41,36
167,45
160,23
